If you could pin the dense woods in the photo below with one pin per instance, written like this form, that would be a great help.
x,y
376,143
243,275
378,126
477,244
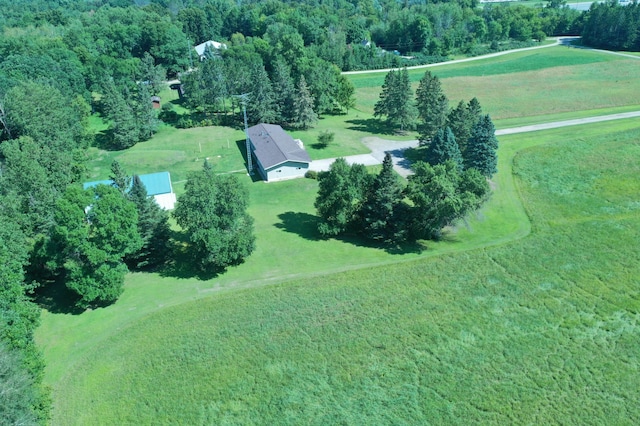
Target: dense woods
x,y
63,60
611,25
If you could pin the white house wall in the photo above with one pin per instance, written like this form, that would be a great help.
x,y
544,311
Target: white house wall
x,y
166,201
288,170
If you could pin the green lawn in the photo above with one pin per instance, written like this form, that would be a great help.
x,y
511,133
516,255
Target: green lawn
x,y
551,81
528,313
539,329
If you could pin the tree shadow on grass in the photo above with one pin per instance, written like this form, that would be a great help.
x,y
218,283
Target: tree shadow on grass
x,y
303,224
104,140
183,264
372,125
306,226
56,298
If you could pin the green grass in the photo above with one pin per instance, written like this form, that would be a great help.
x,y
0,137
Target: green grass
x,y
176,150
527,313
555,80
540,329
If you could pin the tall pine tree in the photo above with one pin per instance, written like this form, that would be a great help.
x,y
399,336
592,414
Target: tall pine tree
x,y
481,153
153,227
396,100
380,218
261,107
443,148
432,105
284,90
121,180
304,115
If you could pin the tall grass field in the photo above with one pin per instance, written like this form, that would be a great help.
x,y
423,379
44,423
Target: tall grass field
x,y
527,313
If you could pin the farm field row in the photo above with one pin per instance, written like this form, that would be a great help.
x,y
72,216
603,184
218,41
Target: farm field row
x,y
308,326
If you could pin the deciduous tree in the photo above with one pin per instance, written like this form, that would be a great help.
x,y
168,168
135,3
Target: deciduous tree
x,y
212,211
89,248
341,193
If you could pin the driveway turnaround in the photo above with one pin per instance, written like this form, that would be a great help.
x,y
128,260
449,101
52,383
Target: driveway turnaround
x,y
379,147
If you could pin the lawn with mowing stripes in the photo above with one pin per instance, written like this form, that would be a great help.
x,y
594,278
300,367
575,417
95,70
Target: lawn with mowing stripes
x,y
555,80
542,329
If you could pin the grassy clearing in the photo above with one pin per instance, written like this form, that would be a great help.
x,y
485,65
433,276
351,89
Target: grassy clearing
x,y
486,326
542,329
553,81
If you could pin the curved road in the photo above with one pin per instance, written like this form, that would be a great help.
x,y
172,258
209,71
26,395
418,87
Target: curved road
x,y
559,40
380,146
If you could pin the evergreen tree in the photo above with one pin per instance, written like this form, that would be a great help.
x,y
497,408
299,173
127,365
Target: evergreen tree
x,y
304,115
153,227
441,195
482,152
462,119
262,107
146,118
345,94
472,115
124,129
380,219
443,148
212,211
284,89
151,74
395,100
432,106
121,181
213,85
341,193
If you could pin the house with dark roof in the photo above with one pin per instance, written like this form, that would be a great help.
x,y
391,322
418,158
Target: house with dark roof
x,y
277,155
158,186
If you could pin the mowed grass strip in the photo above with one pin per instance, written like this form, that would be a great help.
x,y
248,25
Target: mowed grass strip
x,y
555,80
540,330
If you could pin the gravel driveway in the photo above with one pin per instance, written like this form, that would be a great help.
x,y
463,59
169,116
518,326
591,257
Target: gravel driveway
x,y
379,146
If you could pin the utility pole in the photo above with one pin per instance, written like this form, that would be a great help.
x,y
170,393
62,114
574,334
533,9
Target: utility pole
x,y
243,99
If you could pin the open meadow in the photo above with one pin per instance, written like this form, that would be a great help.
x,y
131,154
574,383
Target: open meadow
x,y
528,313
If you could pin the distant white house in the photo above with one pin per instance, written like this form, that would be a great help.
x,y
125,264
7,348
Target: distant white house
x,y
202,47
158,186
278,156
